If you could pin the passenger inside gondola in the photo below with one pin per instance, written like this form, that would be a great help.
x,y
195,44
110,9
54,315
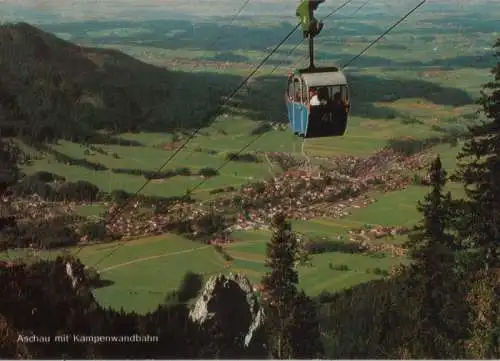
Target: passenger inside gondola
x,y
338,105
313,98
339,111
323,95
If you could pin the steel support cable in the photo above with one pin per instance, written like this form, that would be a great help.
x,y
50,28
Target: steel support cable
x,y
233,19
238,12
384,34
211,46
361,7
211,116
300,42
244,82
350,62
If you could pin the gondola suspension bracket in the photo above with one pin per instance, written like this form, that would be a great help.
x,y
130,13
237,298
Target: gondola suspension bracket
x,y
311,27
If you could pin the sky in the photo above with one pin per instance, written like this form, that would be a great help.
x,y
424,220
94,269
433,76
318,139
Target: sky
x,y
71,10
113,9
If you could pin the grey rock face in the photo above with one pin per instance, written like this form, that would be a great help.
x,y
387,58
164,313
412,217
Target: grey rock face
x,y
231,300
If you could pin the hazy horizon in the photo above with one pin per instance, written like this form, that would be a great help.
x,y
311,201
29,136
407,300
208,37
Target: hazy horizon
x,y
46,11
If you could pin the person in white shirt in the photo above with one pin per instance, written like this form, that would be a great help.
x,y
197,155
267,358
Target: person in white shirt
x,y
314,100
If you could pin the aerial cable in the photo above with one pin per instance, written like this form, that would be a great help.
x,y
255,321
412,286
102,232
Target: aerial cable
x,y
216,112
233,19
243,6
360,7
211,46
238,12
337,9
211,116
383,34
380,36
351,61
300,42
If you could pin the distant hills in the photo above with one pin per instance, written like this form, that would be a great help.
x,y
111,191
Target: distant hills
x,y
54,88
51,88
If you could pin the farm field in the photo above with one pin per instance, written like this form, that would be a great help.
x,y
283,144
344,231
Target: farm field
x,y
212,150
419,83
140,272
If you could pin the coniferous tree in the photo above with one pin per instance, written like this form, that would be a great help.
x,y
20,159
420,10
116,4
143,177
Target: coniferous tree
x,y
430,243
290,316
432,248
10,156
306,333
479,171
479,223
279,287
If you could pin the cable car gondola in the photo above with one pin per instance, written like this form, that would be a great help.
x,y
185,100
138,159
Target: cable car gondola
x,y
329,117
317,99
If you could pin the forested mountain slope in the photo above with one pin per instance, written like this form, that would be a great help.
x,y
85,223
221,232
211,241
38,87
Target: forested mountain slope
x,y
51,88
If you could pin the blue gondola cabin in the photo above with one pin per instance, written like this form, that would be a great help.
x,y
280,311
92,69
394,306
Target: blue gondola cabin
x,y
318,102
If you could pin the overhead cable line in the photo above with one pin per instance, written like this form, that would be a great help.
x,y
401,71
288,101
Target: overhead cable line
x,y
337,9
233,18
350,61
384,34
211,116
260,135
212,45
360,7
243,6
353,59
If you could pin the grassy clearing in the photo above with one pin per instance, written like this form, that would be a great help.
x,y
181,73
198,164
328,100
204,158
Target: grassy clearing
x,y
392,209
211,151
142,271
142,286
90,210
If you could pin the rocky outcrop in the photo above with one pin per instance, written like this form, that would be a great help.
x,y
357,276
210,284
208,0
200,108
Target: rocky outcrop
x,y
231,301
78,275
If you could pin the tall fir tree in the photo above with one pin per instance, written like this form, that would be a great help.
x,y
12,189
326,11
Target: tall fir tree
x,y
479,171
280,288
430,243
432,248
306,333
290,316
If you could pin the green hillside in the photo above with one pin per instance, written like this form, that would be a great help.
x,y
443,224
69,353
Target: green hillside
x,y
54,89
